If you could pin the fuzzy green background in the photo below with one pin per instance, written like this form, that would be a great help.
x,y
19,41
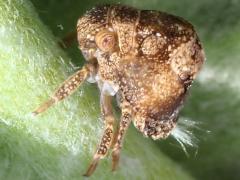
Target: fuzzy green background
x,y
59,144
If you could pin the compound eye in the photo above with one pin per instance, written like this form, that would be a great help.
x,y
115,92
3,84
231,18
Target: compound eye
x,y
106,40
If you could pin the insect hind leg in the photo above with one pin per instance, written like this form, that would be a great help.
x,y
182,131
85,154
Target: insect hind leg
x,y
124,124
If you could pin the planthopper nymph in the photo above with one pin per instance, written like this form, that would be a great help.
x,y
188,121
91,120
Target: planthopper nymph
x,y
146,59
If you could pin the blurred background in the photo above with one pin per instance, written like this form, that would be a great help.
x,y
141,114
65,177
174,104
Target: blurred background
x,y
214,100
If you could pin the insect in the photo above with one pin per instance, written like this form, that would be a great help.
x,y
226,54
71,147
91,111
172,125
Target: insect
x,y
146,59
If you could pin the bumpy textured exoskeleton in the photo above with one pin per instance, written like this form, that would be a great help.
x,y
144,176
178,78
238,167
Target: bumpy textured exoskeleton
x,y
147,59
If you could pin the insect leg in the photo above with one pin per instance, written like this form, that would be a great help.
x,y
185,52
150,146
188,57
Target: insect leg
x,y
67,88
106,107
124,124
68,40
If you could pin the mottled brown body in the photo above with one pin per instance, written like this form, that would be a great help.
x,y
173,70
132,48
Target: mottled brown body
x,y
148,59
157,58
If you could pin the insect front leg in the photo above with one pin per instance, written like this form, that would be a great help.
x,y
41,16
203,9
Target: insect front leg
x,y
67,88
106,108
124,124
67,41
